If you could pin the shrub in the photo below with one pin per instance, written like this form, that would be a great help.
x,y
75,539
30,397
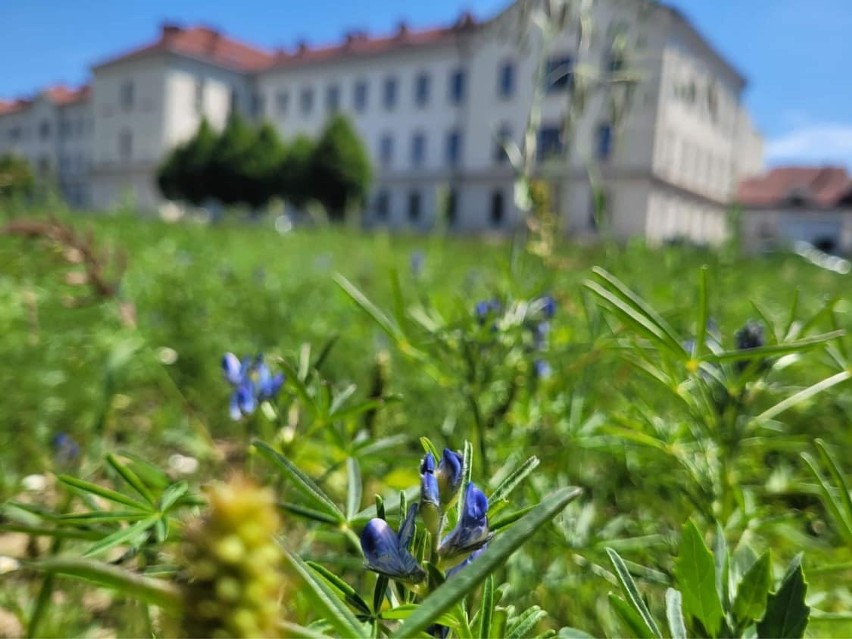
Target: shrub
x,y
16,177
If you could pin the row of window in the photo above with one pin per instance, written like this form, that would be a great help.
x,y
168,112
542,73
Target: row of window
x,y
414,207
550,144
44,130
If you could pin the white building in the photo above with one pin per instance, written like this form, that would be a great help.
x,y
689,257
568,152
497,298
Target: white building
x,y
430,106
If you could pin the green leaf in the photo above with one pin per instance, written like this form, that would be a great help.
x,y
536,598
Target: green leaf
x,y
352,597
301,481
132,480
524,624
674,614
300,632
486,608
379,593
121,536
83,487
386,323
512,480
786,613
445,596
750,601
148,589
628,587
404,611
328,605
696,574
701,325
804,395
723,566
353,493
630,617
172,495
429,447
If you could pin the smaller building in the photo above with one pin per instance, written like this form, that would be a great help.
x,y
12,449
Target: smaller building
x,y
798,204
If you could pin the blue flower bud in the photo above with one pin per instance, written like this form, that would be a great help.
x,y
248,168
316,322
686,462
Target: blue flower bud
x,y
386,552
449,476
253,382
471,533
547,305
430,500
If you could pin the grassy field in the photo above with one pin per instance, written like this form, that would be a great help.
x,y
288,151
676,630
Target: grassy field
x,y
655,431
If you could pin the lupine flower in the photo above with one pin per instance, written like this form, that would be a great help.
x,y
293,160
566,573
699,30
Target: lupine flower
x,y
455,569
252,381
65,449
547,305
485,308
471,532
449,476
430,499
386,552
748,337
540,334
542,369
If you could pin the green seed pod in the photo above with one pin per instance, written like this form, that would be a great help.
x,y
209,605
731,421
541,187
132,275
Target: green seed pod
x,y
225,592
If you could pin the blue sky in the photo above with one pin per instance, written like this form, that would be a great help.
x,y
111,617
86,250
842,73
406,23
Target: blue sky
x,y
794,52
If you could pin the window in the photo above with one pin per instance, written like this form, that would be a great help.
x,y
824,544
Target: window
x,y
559,75
360,96
414,206
498,212
457,86
452,206
549,142
257,106
306,101
198,95
604,141
418,150
615,61
382,205
386,150
235,101
389,93
332,98
44,129
453,149
282,102
126,95
506,80
421,90
125,144
503,136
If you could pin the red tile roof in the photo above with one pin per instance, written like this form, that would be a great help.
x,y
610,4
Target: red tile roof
x,y
62,95
823,187
360,44
12,106
201,42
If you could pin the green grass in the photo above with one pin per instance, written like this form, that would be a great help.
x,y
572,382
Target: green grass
x,y
201,291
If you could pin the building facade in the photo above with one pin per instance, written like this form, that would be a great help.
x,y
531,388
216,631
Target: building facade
x,y
796,204
639,100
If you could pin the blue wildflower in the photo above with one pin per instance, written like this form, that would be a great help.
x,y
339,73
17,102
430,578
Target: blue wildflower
x,y
449,475
471,532
485,308
65,449
253,383
430,500
386,552
547,305
455,569
540,334
542,369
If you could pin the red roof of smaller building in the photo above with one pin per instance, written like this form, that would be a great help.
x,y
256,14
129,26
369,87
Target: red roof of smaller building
x,y
11,106
62,95
818,186
202,42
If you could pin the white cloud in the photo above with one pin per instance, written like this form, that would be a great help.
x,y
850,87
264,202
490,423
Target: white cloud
x,y
812,144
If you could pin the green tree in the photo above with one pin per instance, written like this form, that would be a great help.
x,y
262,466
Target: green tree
x,y
185,174
340,168
263,165
16,177
293,181
230,162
